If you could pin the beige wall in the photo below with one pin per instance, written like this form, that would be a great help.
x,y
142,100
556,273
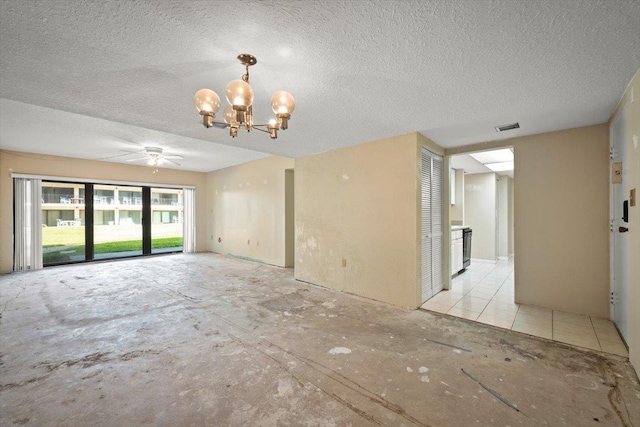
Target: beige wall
x,y
246,210
36,164
480,214
357,220
290,218
561,218
632,113
562,222
457,210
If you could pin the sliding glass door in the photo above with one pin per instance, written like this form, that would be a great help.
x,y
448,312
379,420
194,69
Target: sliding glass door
x,y
117,221
85,221
63,222
167,218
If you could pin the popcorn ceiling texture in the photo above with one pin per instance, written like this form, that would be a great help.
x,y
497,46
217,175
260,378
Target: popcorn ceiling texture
x,y
359,71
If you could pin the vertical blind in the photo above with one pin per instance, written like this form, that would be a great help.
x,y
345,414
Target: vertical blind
x,y
189,232
27,233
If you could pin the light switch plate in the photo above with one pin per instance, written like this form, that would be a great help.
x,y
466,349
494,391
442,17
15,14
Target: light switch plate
x,y
632,197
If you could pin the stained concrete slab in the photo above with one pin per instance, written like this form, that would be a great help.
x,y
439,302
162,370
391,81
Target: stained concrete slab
x,y
195,340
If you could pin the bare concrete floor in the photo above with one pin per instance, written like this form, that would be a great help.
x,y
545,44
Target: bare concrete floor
x,y
204,340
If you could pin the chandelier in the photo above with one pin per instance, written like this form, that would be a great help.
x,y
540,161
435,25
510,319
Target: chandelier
x,y
239,113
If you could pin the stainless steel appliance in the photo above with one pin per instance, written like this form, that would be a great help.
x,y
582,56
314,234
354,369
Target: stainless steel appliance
x,y
466,247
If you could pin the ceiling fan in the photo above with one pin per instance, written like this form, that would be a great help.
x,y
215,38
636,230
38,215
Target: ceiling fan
x,y
155,157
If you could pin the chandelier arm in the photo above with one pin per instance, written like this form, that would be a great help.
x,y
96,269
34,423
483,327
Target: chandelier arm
x,y
257,128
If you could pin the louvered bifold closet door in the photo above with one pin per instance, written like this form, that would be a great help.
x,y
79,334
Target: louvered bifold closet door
x,y
427,273
432,228
436,223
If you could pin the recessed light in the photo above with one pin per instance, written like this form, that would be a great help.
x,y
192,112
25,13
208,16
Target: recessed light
x,y
493,156
500,167
507,127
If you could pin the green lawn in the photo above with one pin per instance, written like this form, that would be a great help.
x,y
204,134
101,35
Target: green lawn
x,y
70,243
62,236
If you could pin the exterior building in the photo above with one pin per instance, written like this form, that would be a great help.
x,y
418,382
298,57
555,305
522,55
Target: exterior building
x,y
63,204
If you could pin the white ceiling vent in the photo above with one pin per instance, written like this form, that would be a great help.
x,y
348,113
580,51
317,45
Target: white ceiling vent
x,y
508,127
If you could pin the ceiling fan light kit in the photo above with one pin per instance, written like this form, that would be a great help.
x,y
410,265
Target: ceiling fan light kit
x,y
239,113
155,156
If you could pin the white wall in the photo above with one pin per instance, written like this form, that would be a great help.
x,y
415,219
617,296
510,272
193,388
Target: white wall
x,y
480,214
457,210
505,189
247,210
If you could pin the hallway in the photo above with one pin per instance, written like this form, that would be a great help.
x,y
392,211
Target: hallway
x,y
485,293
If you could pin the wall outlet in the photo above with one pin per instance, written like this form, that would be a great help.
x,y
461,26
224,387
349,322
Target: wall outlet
x,y
344,262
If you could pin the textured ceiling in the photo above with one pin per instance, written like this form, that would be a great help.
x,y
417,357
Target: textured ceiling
x,y
359,70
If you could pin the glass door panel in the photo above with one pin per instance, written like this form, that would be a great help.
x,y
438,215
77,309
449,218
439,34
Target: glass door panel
x,y
117,221
166,220
63,226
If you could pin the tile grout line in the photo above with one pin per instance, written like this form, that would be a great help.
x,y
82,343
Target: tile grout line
x,y
553,316
595,333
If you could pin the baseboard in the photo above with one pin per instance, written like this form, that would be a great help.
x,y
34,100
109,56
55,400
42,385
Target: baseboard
x,y
483,261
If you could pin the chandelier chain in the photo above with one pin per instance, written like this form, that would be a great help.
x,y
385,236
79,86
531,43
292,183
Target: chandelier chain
x,y
245,76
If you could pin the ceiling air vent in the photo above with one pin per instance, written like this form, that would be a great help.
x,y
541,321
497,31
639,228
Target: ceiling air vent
x,y
508,127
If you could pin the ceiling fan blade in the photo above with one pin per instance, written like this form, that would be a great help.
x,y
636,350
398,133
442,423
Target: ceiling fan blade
x,y
125,153
138,159
172,156
169,160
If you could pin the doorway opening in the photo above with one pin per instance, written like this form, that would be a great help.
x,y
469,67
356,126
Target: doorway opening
x,y
481,217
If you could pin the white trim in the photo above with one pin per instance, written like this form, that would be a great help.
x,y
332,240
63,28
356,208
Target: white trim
x,y
98,181
483,261
189,223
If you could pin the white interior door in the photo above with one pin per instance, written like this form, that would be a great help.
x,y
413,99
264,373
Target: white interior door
x,y
427,267
436,222
432,227
619,237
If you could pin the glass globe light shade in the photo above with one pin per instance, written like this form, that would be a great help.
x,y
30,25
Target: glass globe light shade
x,y
239,93
282,102
230,115
207,101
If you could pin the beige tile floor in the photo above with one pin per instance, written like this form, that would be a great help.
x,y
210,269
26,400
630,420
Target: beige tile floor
x,y
484,293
